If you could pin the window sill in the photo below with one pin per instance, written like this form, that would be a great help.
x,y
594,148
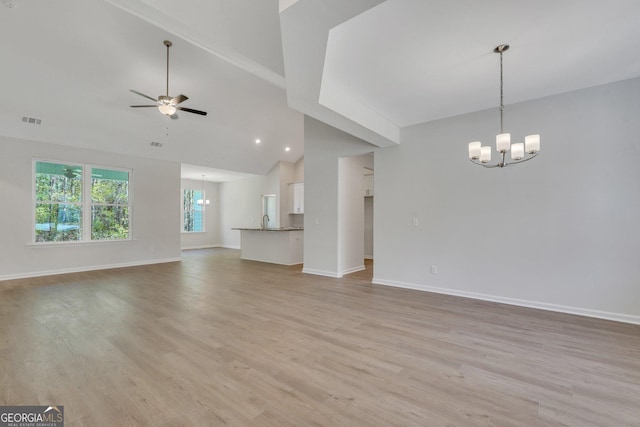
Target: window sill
x,y
193,232
91,243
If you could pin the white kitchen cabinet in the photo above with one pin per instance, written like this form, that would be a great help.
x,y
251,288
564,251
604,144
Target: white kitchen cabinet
x,y
368,185
296,191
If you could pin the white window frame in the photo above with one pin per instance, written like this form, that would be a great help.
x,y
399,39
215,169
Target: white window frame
x,y
204,210
85,204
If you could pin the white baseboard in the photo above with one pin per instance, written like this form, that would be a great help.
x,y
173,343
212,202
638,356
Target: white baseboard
x,y
618,317
87,268
333,273
368,257
229,247
322,273
353,270
216,245
193,248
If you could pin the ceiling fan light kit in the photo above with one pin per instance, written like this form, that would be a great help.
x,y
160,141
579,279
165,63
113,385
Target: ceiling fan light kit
x,y
520,152
166,104
167,109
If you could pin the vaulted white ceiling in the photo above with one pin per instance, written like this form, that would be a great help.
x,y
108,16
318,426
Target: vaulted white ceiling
x,y
71,64
372,67
368,67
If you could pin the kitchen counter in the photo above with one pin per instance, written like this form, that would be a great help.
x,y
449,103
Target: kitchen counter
x,y
280,246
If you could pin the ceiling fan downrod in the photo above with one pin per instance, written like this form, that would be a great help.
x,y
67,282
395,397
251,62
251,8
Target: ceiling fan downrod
x,y
168,44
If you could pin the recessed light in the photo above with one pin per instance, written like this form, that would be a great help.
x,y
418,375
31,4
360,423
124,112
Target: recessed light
x,y
258,141
287,148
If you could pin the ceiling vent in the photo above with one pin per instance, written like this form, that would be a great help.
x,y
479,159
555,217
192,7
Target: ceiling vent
x,y
31,120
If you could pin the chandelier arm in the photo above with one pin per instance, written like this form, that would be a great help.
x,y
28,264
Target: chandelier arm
x,y
505,163
524,160
484,164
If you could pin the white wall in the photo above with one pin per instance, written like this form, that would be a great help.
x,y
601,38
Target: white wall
x,y
241,204
155,213
299,171
211,236
559,232
272,185
324,145
287,176
368,227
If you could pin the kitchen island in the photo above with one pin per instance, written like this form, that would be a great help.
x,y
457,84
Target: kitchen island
x,y
274,245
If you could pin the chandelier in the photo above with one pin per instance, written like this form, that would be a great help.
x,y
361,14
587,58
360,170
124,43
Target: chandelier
x,y
202,202
520,152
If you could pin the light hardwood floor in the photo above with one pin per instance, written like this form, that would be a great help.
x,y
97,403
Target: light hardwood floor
x,y
215,340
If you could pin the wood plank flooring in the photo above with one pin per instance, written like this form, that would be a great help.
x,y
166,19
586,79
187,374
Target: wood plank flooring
x,y
216,340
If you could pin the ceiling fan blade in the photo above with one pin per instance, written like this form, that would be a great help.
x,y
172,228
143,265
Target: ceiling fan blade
x,y
190,110
178,99
174,116
142,94
142,106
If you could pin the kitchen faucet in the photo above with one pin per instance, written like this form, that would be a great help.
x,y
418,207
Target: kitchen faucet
x,y
264,223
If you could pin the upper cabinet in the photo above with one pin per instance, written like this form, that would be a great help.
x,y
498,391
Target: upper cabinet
x,y
296,195
368,185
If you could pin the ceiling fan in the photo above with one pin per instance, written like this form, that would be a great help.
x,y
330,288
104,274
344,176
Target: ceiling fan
x,y
71,172
166,104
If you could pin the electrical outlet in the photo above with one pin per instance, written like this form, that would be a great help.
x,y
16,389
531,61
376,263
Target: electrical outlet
x,y
434,269
414,221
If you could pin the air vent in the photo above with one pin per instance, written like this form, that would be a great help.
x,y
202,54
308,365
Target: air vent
x,y
31,120
156,144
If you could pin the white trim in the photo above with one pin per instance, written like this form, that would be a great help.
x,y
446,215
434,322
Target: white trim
x,y
79,243
203,210
230,247
85,203
368,257
322,273
618,317
353,270
88,268
156,17
271,262
191,248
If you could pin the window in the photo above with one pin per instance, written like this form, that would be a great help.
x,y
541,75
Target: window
x,y
109,204
69,196
193,213
58,202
